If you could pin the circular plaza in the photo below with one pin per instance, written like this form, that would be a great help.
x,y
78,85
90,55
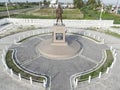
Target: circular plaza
x,y
28,57
27,52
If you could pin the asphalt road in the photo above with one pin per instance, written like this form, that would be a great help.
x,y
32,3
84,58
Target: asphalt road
x,y
4,13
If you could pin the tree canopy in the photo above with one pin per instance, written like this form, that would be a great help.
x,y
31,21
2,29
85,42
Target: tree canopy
x,y
89,3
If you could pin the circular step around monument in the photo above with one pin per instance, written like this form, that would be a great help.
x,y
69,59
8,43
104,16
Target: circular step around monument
x,y
59,51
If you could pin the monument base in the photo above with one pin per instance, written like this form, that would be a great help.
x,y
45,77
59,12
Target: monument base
x,y
59,44
58,51
59,36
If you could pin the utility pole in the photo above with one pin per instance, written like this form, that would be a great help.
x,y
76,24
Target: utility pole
x,y
117,5
101,12
6,4
39,4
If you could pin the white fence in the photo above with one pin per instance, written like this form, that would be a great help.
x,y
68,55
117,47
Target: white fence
x,y
68,23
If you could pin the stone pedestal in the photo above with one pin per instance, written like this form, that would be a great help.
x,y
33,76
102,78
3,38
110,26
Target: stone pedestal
x,y
59,32
58,47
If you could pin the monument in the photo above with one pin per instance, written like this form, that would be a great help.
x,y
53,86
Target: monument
x,y
42,55
59,12
59,47
59,35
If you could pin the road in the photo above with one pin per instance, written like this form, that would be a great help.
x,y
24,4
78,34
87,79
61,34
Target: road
x,y
4,13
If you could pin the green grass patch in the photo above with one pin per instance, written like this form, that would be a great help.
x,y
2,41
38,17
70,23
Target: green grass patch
x,y
48,13
32,16
102,69
16,70
95,15
112,34
3,8
115,27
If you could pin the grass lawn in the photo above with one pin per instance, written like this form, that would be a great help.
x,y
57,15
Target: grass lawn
x,y
95,15
113,34
84,13
3,8
51,14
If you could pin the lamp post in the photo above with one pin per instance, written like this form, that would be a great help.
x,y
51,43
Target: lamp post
x,y
101,12
117,6
6,4
39,5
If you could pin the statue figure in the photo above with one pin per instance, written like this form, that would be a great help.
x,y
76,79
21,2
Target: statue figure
x,y
59,12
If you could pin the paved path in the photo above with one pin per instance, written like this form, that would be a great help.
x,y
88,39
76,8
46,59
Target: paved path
x,y
107,82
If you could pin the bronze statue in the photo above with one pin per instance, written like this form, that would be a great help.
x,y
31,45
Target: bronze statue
x,y
59,12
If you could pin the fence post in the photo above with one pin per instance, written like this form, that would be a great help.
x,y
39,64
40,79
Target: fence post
x,y
76,82
89,79
111,48
30,80
44,83
100,73
114,51
11,72
89,34
107,70
4,52
112,64
19,76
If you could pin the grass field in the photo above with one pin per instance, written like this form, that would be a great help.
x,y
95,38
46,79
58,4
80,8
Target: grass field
x,y
95,15
3,8
51,14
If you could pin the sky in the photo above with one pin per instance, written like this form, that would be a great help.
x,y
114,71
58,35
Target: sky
x,y
104,1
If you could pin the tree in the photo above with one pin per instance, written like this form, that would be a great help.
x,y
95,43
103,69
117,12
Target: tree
x,y
92,4
44,2
78,3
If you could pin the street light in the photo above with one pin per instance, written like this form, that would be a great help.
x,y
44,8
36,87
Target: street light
x,y
6,4
39,5
101,12
117,7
